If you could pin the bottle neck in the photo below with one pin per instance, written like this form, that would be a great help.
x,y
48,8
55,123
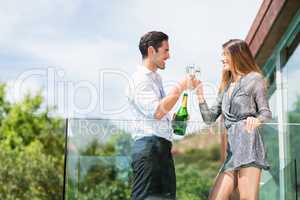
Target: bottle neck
x,y
184,101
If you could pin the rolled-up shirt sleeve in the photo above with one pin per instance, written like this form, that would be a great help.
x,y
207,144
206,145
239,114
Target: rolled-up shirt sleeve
x,y
146,99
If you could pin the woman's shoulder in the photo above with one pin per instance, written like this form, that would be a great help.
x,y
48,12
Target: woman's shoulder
x,y
253,81
253,76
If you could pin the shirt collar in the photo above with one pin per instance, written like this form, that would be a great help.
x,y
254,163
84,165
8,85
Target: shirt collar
x,y
143,69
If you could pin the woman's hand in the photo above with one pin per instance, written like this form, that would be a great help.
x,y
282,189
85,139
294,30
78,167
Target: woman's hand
x,y
199,91
252,123
198,87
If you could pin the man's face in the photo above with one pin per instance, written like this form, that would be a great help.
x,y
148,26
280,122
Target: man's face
x,y
161,55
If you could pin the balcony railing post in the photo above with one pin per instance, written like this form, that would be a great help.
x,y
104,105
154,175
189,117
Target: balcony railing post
x,y
296,181
65,159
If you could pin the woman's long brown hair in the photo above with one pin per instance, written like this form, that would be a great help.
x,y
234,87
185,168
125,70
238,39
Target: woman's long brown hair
x,y
240,59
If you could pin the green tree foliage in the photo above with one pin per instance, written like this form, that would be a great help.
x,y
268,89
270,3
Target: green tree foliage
x,y
32,159
109,175
195,172
32,146
108,169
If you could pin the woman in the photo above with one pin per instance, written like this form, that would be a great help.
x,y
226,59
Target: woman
x,y
242,100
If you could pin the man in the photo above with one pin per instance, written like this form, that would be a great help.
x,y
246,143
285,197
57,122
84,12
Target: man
x,y
152,162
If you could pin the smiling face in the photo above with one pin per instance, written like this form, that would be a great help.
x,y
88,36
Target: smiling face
x,y
237,59
225,61
161,55
154,47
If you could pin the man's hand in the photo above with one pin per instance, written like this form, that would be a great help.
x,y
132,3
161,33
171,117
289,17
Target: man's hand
x,y
188,82
167,103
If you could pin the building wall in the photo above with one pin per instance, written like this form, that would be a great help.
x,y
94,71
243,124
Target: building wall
x,y
282,135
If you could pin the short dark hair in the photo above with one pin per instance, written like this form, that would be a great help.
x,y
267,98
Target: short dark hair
x,y
152,38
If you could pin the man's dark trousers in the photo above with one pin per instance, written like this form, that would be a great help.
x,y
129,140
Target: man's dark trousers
x,y
153,169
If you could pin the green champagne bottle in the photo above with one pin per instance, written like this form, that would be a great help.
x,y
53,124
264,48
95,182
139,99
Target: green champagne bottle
x,y
179,122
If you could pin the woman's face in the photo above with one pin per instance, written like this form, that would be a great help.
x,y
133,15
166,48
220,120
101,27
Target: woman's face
x,y
225,62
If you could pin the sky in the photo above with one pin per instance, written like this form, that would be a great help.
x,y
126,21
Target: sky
x,y
80,54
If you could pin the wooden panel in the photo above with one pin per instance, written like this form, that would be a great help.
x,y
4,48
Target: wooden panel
x,y
267,20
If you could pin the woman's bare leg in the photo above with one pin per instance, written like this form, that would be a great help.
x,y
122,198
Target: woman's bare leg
x,y
248,183
223,186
